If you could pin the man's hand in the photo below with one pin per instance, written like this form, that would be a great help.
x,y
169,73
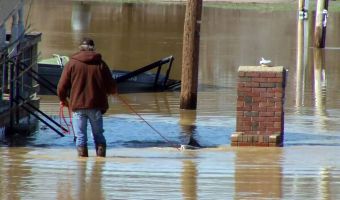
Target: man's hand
x,y
64,103
114,89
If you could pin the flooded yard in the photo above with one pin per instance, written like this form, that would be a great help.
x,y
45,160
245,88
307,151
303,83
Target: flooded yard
x,y
166,173
142,165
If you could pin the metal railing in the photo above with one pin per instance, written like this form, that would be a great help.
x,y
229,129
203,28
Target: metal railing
x,y
157,64
19,99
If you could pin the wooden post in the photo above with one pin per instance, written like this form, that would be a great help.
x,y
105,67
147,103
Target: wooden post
x,y
303,9
301,5
320,23
191,38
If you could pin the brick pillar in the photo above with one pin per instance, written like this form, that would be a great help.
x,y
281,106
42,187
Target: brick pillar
x,y
260,99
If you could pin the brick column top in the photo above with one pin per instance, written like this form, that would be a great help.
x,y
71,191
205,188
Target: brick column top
x,y
261,69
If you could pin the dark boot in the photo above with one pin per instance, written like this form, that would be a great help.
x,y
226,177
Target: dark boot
x,y
82,152
101,150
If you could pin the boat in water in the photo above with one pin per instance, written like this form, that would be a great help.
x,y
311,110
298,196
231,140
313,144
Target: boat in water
x,y
143,79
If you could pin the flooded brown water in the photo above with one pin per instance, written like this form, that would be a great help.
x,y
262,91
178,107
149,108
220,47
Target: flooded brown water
x,y
140,164
165,173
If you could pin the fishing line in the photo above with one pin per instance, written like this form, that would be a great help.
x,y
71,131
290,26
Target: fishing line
x,y
154,129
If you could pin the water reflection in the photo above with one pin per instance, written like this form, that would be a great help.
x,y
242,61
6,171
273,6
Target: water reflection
x,y
320,83
258,174
188,127
325,186
301,60
13,173
320,86
329,188
64,190
318,182
95,190
189,180
81,16
81,179
153,173
89,180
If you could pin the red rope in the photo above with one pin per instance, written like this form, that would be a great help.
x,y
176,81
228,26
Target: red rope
x,y
154,129
71,124
62,120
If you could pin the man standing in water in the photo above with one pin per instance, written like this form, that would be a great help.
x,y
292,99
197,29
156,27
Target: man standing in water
x,y
87,81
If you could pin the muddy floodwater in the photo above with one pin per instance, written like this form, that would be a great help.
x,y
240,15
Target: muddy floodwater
x,y
141,164
165,173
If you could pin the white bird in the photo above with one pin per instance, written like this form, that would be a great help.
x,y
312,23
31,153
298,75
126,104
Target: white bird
x,y
264,62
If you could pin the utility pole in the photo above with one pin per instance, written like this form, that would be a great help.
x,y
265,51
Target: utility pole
x,y
190,55
320,23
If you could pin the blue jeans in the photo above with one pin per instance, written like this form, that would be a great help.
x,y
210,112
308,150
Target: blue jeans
x,y
80,118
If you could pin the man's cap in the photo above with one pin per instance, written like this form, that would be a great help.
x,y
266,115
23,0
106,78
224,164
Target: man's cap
x,y
87,42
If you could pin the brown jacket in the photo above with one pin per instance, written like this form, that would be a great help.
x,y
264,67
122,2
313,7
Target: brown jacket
x,y
86,80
